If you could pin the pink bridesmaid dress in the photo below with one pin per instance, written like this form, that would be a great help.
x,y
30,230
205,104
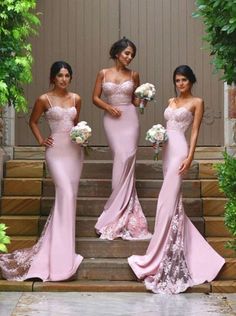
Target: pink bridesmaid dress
x,y
178,256
53,257
122,215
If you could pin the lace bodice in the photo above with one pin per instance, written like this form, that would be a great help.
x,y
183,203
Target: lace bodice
x,y
178,118
118,93
60,119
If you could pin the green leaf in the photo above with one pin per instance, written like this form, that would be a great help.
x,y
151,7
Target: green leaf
x,y
3,248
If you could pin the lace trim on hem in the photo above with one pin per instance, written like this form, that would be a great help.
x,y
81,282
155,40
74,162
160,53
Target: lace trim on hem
x,y
132,225
172,275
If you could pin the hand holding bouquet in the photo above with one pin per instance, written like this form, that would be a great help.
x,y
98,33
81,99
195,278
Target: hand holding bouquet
x,y
80,133
156,135
146,92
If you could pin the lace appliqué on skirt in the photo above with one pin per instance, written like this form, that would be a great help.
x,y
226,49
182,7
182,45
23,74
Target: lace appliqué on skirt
x,y
15,265
173,275
132,225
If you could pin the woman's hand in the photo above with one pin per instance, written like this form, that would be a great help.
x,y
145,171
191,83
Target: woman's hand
x,y
185,165
113,111
47,142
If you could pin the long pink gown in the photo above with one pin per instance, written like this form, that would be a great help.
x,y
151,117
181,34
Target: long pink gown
x,y
178,256
53,257
122,215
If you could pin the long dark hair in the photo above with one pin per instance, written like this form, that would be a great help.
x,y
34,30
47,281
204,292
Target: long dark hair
x,y
120,45
185,71
56,67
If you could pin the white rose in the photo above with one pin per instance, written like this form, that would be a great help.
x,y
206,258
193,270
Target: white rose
x,y
79,140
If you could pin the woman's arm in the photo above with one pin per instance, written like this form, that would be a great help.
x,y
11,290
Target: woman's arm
x,y
97,97
136,79
198,114
78,107
39,108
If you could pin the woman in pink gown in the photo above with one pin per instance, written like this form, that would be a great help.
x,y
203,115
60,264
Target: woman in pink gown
x,y
178,256
53,257
122,215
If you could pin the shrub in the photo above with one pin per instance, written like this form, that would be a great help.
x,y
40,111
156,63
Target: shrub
x,y
17,22
226,172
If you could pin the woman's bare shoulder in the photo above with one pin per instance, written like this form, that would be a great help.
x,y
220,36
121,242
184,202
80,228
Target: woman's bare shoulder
x,y
198,102
76,96
171,100
43,99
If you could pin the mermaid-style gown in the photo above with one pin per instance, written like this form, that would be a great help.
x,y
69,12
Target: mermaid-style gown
x,y
178,256
53,257
122,215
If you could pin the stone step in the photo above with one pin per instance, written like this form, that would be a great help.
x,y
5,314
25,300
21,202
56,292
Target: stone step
x,y
97,248
103,153
145,188
119,270
102,187
215,227
92,206
86,206
228,272
145,169
94,247
20,205
19,242
33,225
207,169
22,187
210,188
223,286
85,225
86,286
213,206
219,244
92,169
21,225
24,169
91,187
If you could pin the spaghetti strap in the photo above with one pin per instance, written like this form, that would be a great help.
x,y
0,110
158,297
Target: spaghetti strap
x,y
132,74
49,101
104,72
74,99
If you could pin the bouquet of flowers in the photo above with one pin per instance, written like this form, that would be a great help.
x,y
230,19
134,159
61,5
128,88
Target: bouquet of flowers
x,y
147,92
156,135
80,134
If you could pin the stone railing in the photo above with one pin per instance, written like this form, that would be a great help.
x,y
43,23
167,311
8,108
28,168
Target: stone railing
x,y
7,136
230,118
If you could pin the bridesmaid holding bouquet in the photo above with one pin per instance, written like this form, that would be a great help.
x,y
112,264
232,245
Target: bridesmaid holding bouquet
x,y
122,215
53,257
178,256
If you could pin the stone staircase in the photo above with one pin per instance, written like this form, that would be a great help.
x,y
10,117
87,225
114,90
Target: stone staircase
x,y
28,194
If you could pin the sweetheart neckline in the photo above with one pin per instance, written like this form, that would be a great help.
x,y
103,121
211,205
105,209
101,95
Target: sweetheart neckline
x,y
118,84
60,107
181,107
